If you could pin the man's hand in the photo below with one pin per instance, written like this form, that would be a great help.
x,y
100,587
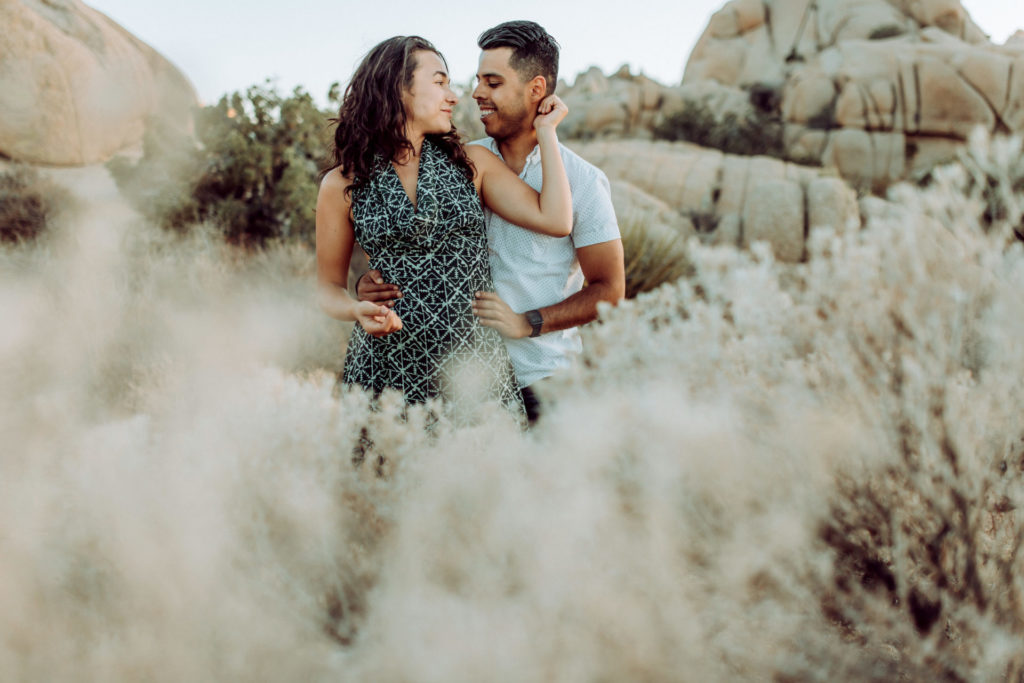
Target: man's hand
x,y
371,287
377,320
493,312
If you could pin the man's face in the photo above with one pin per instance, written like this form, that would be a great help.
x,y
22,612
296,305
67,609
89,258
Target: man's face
x,y
503,98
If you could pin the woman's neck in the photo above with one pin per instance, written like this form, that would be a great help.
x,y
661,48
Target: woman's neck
x,y
416,140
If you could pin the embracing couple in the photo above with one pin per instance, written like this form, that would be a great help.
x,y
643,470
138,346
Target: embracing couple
x,y
478,253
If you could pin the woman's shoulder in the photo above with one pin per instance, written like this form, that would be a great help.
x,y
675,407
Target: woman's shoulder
x,y
481,156
335,179
334,186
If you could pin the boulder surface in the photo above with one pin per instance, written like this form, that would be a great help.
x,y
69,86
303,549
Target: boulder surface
x,y
77,87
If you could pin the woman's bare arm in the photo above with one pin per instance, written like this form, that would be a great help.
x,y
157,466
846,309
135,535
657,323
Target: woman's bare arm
x,y
548,212
334,241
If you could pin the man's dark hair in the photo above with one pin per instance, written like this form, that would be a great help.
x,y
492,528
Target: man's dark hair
x,y
534,52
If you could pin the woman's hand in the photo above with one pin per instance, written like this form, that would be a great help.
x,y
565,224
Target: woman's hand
x,y
550,112
377,320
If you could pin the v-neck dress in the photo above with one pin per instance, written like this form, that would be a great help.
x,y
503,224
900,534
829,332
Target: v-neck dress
x,y
437,255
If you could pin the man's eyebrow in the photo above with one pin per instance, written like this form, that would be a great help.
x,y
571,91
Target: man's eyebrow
x,y
489,75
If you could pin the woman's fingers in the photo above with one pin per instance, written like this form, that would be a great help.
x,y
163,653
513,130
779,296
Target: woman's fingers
x,y
550,111
377,320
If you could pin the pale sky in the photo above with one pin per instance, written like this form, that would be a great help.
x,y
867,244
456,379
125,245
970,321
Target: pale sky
x,y
224,46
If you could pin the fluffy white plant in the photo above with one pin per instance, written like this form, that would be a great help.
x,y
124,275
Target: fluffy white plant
x,y
763,471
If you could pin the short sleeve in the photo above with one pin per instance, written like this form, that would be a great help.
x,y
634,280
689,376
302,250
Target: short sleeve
x,y
593,213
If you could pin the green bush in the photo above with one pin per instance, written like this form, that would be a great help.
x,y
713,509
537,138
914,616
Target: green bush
x,y
28,203
251,170
756,133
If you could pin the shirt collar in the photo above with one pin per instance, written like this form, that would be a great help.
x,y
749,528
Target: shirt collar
x,y
532,158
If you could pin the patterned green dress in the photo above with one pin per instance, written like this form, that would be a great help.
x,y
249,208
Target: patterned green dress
x,y
437,255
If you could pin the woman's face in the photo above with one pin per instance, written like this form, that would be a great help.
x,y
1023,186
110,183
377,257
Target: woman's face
x,y
429,100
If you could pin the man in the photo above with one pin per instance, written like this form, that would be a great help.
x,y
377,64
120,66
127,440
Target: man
x,y
539,300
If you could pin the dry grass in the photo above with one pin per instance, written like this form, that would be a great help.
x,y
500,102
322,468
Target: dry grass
x,y
754,473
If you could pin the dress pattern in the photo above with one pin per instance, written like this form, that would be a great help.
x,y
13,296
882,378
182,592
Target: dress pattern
x,y
437,255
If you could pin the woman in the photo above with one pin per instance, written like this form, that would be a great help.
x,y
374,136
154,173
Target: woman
x,y
409,193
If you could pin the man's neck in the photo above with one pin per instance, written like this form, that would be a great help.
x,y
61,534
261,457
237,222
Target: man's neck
x,y
515,149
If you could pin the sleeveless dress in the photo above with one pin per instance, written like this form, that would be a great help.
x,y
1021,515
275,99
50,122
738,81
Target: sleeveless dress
x,y
437,255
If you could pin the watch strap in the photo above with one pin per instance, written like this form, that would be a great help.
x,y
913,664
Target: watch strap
x,y
536,321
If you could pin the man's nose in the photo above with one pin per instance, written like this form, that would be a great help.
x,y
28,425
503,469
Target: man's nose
x,y
476,92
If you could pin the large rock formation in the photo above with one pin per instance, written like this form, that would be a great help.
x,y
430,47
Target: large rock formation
x,y
878,90
725,198
620,105
77,87
633,105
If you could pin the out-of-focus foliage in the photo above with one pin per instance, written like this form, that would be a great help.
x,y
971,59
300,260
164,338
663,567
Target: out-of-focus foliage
x,y
28,202
251,170
756,133
887,31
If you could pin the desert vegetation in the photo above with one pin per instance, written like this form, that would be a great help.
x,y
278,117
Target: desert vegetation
x,y
758,132
250,170
759,471
29,202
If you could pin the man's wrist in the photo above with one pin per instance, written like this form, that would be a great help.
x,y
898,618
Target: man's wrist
x,y
534,323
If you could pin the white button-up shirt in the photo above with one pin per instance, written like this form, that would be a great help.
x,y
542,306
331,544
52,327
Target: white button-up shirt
x,y
532,270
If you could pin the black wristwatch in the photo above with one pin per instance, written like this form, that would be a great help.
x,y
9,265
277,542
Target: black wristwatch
x,y
536,321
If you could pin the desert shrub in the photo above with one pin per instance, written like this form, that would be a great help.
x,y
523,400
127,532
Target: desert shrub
x,y
996,173
653,253
251,169
751,134
920,536
28,203
887,31
824,118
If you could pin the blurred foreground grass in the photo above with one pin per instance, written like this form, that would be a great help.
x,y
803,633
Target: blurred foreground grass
x,y
756,472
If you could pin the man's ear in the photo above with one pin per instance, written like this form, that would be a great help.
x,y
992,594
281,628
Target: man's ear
x,y
538,89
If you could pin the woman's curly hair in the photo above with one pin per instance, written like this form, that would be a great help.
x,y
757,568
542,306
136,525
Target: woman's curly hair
x,y
371,120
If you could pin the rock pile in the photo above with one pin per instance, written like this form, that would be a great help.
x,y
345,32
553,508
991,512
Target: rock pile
x,y
725,198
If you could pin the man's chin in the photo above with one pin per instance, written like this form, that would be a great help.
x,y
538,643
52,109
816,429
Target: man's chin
x,y
495,131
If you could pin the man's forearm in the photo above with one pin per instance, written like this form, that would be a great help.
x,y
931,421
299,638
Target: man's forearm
x,y
578,309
